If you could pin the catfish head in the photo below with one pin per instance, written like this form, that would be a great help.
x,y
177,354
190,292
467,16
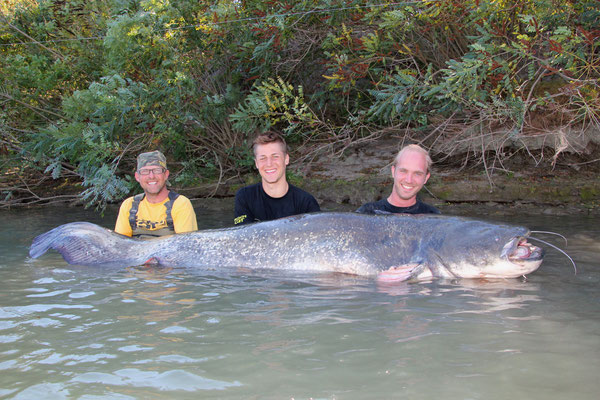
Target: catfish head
x,y
478,249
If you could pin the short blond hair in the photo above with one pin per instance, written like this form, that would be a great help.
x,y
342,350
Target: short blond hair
x,y
418,149
269,137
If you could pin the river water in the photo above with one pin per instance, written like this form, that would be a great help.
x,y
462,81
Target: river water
x,y
69,332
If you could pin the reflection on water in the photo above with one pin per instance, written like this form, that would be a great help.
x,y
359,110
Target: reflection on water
x,y
136,332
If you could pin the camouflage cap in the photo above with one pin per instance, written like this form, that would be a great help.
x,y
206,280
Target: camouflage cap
x,y
151,158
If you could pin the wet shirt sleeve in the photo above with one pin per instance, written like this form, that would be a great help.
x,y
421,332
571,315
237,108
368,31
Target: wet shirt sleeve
x,y
365,209
242,212
184,217
122,225
376,207
311,205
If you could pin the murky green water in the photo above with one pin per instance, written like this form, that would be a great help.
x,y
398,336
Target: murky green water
x,y
69,332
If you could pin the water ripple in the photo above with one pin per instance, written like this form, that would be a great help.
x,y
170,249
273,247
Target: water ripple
x,y
19,311
44,281
81,295
132,348
43,322
176,329
50,294
169,380
10,338
178,359
44,391
72,359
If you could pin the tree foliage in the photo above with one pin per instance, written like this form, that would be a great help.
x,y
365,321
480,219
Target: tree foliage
x,y
89,84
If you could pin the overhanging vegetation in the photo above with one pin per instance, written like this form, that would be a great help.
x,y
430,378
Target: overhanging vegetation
x,y
87,85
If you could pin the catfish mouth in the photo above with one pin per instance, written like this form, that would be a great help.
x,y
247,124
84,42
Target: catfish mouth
x,y
519,250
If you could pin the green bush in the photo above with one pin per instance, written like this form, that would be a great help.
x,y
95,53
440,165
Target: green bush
x,y
89,85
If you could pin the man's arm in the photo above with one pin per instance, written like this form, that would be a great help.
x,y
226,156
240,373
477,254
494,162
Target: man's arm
x,y
429,209
313,205
375,207
184,217
242,213
366,209
122,225
303,201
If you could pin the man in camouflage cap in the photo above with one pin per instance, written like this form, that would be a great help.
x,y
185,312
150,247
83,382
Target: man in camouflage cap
x,y
158,211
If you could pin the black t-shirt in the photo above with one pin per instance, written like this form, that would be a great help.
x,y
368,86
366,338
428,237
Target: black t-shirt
x,y
252,204
383,207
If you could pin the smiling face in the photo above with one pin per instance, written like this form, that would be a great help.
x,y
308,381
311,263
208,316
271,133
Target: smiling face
x,y
154,185
271,160
410,174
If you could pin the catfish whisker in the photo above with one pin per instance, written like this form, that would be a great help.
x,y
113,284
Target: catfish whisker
x,y
557,248
552,233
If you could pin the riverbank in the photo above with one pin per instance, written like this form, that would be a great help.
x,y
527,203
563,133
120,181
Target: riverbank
x,y
363,175
351,192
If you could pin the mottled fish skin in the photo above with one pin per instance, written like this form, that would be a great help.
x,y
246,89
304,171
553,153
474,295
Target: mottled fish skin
x,y
443,246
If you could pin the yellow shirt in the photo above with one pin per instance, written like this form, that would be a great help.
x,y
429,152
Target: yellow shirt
x,y
153,216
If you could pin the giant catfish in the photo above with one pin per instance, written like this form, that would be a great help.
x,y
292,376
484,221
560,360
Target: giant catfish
x,y
389,247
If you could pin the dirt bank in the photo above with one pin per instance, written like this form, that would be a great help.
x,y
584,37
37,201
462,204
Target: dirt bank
x,y
524,185
363,175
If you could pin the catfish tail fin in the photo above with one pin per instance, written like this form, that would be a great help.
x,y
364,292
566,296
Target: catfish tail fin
x,y
84,243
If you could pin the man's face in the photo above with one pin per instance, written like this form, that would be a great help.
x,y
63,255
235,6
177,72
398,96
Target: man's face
x,y
410,174
270,160
152,182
